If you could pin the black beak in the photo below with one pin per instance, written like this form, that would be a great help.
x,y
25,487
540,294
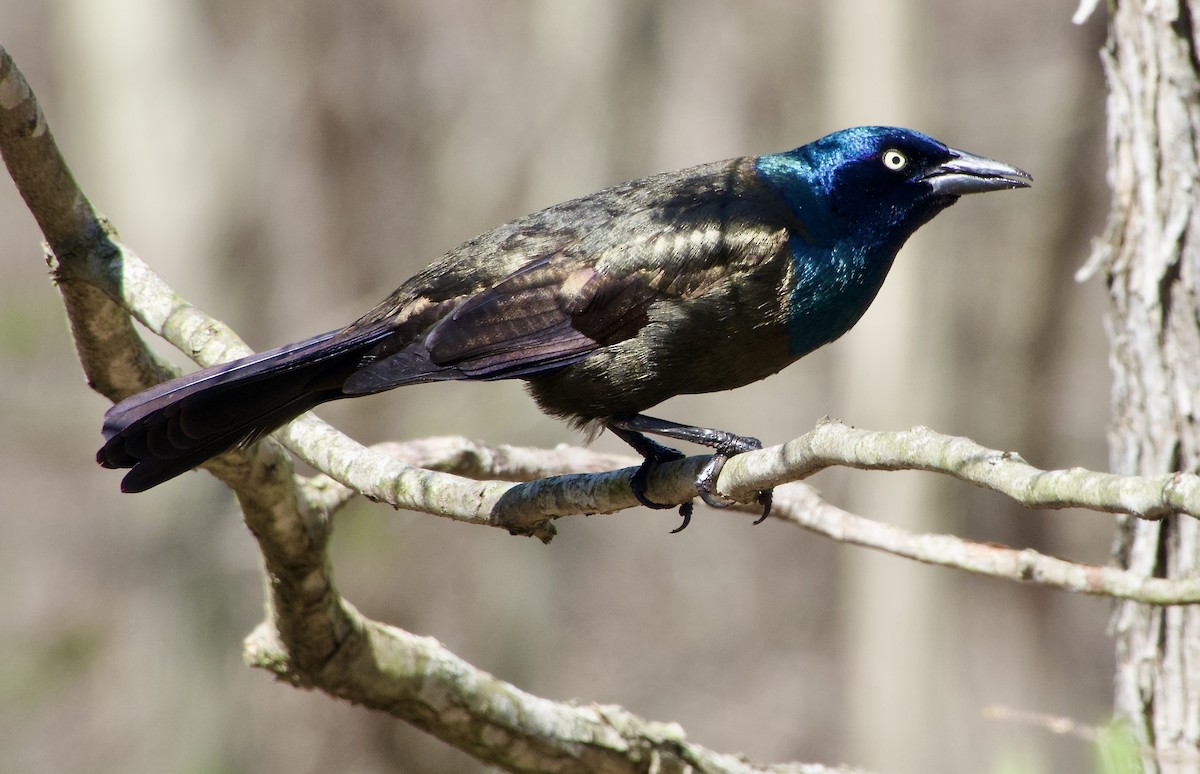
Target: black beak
x,y
966,173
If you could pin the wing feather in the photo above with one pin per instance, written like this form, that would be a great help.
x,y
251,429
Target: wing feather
x,y
592,289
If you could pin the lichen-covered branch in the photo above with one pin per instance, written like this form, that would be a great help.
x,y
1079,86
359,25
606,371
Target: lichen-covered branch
x,y
802,506
418,679
528,508
834,443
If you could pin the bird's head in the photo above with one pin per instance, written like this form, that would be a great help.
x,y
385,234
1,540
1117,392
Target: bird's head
x,y
879,181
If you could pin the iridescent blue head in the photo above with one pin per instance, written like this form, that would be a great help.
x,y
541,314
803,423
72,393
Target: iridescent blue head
x,y
856,196
878,184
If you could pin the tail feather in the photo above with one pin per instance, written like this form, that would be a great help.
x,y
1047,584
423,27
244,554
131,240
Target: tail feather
x,y
177,425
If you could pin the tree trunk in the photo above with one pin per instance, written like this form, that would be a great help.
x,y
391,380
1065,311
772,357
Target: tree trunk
x,y
1153,264
891,610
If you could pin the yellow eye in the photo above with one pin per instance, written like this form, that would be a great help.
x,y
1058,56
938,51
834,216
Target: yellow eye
x,y
894,160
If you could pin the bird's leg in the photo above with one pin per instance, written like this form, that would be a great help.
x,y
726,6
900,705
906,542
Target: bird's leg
x,y
724,444
655,454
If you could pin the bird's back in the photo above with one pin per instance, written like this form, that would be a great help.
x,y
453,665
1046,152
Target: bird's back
x,y
606,304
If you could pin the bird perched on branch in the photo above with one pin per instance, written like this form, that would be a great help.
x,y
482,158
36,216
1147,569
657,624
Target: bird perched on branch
x,y
699,280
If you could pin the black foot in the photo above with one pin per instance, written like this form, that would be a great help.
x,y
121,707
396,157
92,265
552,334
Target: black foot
x,y
725,445
706,481
640,480
655,454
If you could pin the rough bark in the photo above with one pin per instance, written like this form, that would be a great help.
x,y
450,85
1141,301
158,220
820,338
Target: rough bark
x,y
1152,260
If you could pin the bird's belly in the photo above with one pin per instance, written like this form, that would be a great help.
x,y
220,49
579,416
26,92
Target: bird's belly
x,y
632,376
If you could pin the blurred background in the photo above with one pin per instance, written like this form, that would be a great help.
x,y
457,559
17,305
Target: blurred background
x,y
285,164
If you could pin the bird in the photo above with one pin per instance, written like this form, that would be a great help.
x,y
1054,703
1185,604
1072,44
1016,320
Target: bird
x,y
694,281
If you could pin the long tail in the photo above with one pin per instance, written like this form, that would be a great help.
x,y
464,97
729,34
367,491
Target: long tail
x,y
175,426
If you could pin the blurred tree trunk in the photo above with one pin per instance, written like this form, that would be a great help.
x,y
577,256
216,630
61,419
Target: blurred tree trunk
x,y
891,609
1154,280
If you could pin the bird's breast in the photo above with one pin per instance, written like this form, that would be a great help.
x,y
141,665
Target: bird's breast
x,y
831,289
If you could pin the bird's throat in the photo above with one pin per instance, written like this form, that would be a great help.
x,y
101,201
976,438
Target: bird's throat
x,y
831,290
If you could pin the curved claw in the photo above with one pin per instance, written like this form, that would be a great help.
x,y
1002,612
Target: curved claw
x,y
713,500
685,511
706,482
765,498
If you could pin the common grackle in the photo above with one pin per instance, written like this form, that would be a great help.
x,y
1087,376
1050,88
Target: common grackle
x,y
693,281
